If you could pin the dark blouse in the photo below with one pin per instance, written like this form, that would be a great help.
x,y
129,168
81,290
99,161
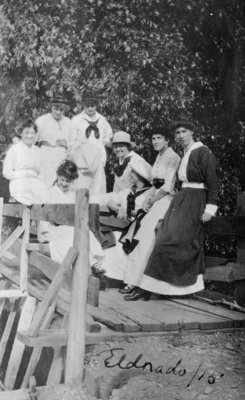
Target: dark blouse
x,y
201,168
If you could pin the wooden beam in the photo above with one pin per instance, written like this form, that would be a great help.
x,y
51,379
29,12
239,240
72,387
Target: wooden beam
x,y
77,321
227,273
18,348
44,392
35,356
52,291
226,226
214,261
11,239
23,253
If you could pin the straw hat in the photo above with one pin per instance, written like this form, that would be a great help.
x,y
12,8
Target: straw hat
x,y
122,137
142,168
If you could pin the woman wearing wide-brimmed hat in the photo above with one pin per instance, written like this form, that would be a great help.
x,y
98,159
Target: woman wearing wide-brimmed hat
x,y
123,149
127,204
176,264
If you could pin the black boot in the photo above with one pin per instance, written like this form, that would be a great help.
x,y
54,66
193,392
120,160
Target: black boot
x,y
138,294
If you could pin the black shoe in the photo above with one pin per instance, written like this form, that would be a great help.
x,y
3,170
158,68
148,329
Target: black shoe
x,y
127,289
138,294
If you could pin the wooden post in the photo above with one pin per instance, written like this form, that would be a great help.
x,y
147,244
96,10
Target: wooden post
x,y
240,284
77,321
23,252
1,218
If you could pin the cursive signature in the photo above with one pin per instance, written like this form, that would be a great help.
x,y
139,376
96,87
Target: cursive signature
x,y
112,361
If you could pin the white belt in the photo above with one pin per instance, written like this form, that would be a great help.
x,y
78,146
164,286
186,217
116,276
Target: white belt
x,y
194,185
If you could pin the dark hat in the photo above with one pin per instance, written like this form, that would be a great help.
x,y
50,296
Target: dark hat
x,y
89,97
183,121
68,169
58,99
162,130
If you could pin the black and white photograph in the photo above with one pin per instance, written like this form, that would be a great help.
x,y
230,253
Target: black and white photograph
x,y
122,200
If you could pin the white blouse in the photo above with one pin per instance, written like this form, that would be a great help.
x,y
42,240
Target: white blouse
x,y
165,167
50,130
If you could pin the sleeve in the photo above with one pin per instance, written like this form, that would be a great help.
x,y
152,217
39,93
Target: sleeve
x,y
108,133
171,170
208,167
9,171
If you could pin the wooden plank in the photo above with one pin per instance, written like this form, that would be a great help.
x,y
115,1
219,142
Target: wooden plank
x,y
6,333
52,291
77,321
135,311
63,303
93,291
35,356
226,226
112,319
18,348
11,239
214,261
58,363
237,318
23,252
226,273
12,293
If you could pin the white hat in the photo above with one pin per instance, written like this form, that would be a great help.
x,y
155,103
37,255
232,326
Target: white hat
x,y
122,137
141,167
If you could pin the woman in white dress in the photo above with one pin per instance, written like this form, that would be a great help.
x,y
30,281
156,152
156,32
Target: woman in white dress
x,y
123,149
61,237
156,204
22,166
127,204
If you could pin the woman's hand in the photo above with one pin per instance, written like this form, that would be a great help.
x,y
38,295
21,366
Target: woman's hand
x,y
206,217
147,204
122,213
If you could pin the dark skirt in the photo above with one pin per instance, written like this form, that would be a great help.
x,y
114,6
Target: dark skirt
x,y
178,256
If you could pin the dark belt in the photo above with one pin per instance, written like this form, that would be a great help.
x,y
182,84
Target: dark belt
x,y
158,182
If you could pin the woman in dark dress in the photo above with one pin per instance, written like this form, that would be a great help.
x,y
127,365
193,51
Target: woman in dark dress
x,y
176,264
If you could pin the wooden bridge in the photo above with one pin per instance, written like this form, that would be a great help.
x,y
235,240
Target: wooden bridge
x,y
35,289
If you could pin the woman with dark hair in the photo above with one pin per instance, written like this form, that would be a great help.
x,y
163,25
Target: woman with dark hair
x,y
156,204
22,166
176,264
61,237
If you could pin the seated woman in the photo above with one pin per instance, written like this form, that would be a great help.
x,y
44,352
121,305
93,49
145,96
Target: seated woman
x,y
123,149
22,166
156,204
176,264
127,204
61,237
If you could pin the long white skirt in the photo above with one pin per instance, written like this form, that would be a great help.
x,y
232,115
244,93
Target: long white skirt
x,y
165,288
115,260
61,239
28,191
137,259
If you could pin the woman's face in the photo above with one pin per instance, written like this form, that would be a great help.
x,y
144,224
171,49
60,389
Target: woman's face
x,y
134,179
121,150
63,183
29,136
159,142
90,109
184,136
57,111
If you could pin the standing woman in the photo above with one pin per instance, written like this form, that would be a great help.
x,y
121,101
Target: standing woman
x,y
176,264
159,197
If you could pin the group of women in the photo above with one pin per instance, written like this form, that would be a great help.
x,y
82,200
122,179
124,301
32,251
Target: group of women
x,y
161,250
